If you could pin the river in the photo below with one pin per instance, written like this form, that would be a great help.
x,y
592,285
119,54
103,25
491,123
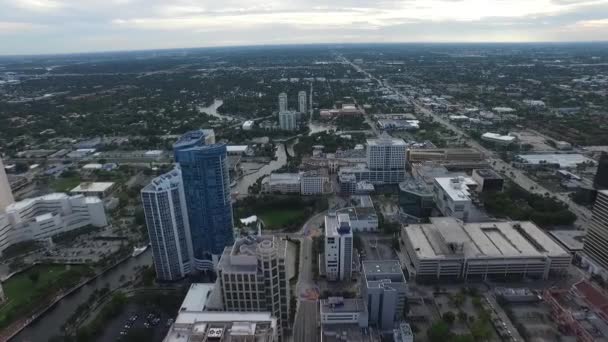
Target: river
x,y
212,110
244,183
50,323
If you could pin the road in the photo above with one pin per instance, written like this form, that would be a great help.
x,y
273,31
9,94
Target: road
x,y
516,175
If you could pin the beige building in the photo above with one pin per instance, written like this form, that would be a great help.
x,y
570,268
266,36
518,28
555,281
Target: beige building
x,y
253,277
6,195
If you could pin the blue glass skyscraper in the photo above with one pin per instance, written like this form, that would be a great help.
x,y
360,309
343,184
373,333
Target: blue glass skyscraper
x,y
207,191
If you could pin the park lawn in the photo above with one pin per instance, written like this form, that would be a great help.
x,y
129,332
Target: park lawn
x,y
23,294
278,218
62,184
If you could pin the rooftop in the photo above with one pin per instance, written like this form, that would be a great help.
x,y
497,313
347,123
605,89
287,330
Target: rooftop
x,y
340,304
196,298
563,160
347,332
93,187
278,178
243,255
446,237
487,173
337,225
381,267
571,239
385,140
457,188
222,326
414,185
164,182
495,136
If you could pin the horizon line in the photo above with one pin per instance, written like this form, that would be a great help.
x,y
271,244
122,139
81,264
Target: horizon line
x,y
92,52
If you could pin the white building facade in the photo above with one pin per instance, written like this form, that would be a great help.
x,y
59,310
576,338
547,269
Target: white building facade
x,y
452,196
302,104
314,183
45,216
6,195
164,206
338,247
287,120
282,102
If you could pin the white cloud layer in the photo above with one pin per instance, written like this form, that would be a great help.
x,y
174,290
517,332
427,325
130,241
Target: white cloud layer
x,y
93,25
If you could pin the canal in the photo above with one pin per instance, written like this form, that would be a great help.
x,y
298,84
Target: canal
x,y
50,323
243,184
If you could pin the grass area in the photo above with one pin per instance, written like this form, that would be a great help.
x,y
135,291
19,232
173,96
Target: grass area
x,y
29,289
277,219
62,184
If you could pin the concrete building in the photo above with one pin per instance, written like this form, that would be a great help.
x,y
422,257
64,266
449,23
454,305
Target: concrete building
x,y
164,204
385,291
248,125
338,247
417,155
447,248
283,183
488,180
287,121
302,104
403,333
362,219
348,183
253,277
549,160
197,322
6,195
386,153
453,196
205,175
416,198
339,310
283,107
315,182
596,242
96,189
600,181
498,139
42,217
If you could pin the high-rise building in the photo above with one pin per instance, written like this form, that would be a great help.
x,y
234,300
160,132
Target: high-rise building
x,y
164,205
385,291
596,241
338,247
253,277
207,192
601,176
287,121
302,104
386,153
6,195
283,102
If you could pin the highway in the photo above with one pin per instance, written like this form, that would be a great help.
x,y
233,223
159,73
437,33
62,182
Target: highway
x,y
516,175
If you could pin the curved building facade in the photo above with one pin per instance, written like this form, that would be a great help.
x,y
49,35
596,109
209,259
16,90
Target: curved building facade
x,y
207,193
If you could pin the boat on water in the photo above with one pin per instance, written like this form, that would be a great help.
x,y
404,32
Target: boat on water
x,y
137,251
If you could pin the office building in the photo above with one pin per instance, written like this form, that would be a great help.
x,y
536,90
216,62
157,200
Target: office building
x,y
448,248
488,180
453,196
287,121
95,189
196,321
385,291
386,153
315,182
596,242
302,104
206,182
283,102
6,195
416,198
338,247
42,217
345,319
164,204
253,277
601,176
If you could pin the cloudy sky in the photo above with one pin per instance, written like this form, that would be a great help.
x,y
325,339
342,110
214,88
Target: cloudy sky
x,y
59,26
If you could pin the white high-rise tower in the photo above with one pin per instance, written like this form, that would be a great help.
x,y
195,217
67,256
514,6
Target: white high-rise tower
x,y
282,102
302,102
6,195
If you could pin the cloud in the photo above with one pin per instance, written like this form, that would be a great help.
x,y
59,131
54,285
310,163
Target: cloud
x,y
598,23
7,27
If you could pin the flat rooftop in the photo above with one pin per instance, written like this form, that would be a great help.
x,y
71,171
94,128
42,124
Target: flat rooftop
x,y
93,187
457,188
382,267
163,182
563,160
571,239
196,298
385,140
347,332
480,240
339,304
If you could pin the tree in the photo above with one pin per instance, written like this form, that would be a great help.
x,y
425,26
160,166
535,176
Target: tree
x,y
438,332
34,276
462,316
449,317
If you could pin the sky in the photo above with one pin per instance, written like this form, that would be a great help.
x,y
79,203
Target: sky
x,y
66,26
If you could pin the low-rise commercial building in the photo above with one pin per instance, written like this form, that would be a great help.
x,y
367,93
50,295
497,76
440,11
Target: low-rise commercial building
x,y
338,247
97,189
557,161
448,248
384,289
453,196
488,180
403,333
418,155
42,217
315,182
498,138
339,310
284,183
416,198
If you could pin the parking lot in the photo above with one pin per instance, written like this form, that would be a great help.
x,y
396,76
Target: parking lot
x,y
148,322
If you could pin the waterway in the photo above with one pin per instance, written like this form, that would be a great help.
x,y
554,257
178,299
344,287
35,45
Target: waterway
x,y
212,110
244,183
50,323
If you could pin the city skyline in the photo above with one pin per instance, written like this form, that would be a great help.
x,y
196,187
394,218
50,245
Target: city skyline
x,y
62,26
